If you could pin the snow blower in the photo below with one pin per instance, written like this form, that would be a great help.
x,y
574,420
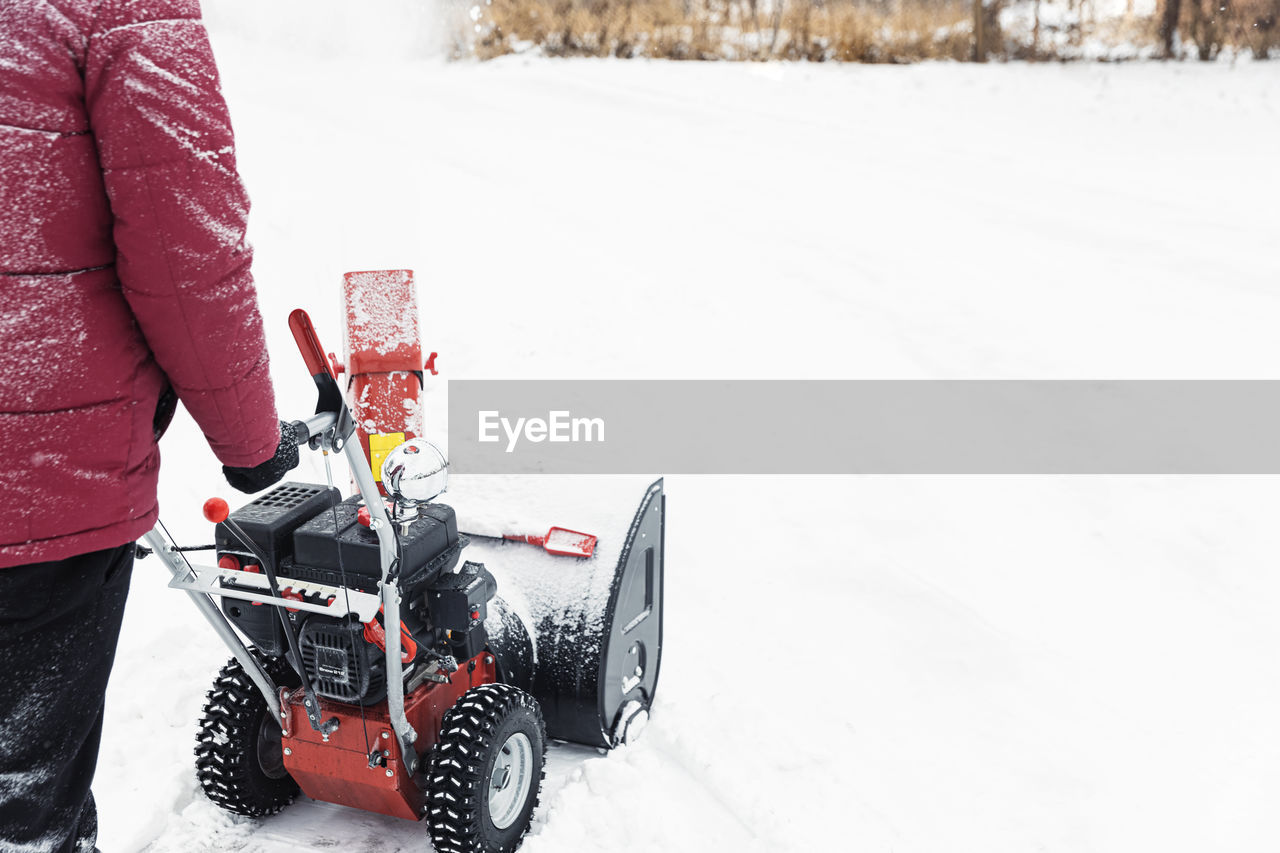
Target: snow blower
x,y
379,669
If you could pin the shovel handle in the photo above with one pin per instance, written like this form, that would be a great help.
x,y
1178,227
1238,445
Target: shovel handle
x,y
540,541
510,537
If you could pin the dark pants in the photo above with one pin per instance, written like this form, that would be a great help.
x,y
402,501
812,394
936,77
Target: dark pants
x,y
59,623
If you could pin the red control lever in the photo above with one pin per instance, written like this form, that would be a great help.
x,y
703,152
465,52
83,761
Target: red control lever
x,y
308,344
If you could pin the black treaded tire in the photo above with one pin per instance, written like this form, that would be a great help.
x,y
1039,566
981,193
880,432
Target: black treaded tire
x,y
238,752
460,772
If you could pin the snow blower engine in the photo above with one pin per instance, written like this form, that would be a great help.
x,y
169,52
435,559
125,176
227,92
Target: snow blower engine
x,y
308,533
382,670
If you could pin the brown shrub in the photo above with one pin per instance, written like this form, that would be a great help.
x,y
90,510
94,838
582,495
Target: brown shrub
x,y
815,30
831,30
1252,25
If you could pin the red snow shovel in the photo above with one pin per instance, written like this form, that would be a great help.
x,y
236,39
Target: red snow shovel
x,y
559,541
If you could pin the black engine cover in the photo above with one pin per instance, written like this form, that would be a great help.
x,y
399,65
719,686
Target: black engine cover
x,y
428,547
269,521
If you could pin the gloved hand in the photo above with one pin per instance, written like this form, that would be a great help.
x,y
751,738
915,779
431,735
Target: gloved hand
x,y
257,478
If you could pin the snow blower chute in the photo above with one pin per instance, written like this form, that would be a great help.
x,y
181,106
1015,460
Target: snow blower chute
x,y
379,668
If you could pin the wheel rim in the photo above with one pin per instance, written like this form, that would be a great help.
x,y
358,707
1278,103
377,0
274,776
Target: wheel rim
x,y
509,780
270,749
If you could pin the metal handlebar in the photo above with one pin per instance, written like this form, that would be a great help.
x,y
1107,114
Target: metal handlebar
x,y
323,431
313,427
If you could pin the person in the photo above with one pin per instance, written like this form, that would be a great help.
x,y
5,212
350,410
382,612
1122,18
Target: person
x,y
124,282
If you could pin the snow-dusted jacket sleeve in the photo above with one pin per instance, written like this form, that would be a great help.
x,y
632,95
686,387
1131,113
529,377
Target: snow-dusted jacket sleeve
x,y
180,213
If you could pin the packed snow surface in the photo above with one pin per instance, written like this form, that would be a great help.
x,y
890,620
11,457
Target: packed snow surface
x,y
871,664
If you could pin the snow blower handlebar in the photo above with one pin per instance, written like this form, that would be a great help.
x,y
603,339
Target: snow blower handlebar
x,y
217,511
329,429
313,427
157,540
389,585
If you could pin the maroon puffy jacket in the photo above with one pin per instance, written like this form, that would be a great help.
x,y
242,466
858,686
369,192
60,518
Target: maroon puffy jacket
x,y
123,268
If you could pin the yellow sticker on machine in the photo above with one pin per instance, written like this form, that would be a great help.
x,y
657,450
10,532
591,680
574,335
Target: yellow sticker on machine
x,y
379,446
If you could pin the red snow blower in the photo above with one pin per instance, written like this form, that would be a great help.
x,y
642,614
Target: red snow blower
x,y
379,669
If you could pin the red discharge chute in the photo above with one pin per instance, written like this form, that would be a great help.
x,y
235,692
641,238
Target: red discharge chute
x,y
383,361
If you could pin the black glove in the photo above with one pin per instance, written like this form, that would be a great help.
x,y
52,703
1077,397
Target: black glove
x,y
257,478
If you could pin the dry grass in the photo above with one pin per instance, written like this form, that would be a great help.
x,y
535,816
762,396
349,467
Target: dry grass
x,y
895,31
840,30
1211,25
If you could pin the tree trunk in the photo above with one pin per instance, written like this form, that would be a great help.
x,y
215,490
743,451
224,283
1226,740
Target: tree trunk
x,y
1169,25
979,36
1035,34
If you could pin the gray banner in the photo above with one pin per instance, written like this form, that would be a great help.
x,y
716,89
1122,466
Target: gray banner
x,y
864,427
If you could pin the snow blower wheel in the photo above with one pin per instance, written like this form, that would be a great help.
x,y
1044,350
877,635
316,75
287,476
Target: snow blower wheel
x,y
486,771
239,758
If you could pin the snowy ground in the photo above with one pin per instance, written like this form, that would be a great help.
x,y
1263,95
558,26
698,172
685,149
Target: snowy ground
x,y
905,664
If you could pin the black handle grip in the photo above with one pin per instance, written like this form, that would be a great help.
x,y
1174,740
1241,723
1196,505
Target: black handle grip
x,y
301,434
